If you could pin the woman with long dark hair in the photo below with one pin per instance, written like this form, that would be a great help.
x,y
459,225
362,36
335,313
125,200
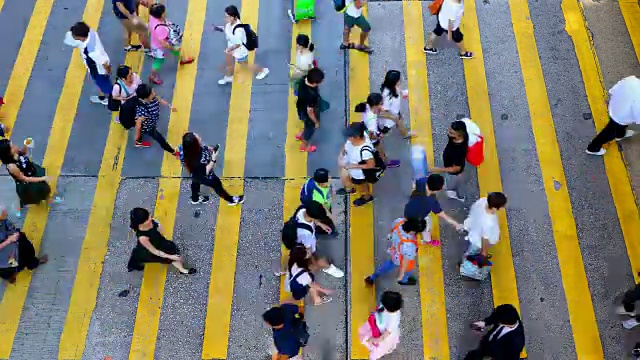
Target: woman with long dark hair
x,y
300,278
454,159
391,100
200,159
152,246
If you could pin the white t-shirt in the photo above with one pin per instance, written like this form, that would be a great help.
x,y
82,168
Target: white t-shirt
x,y
306,238
239,37
354,157
482,225
389,321
370,120
352,10
624,101
390,103
451,10
304,60
304,279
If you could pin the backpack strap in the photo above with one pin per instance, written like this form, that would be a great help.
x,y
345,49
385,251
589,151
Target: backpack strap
x,y
297,275
304,226
369,149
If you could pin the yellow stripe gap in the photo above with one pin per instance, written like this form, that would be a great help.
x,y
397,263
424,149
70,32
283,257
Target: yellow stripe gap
x,y
96,240
361,224
503,277
581,315
36,219
145,331
435,341
295,166
23,66
225,246
617,174
631,13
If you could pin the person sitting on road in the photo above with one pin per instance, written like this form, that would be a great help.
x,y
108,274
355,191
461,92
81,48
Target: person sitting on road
x,y
319,189
300,279
16,251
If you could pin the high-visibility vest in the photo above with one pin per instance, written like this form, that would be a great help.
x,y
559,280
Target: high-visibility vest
x,y
397,241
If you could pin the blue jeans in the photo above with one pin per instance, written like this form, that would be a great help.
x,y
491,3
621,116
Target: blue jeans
x,y
387,266
103,82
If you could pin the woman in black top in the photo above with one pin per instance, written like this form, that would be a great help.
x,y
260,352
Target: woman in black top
x,y
16,251
454,158
200,160
30,178
152,246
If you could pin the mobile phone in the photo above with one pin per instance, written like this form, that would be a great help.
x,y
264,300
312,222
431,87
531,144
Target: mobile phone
x,y
216,148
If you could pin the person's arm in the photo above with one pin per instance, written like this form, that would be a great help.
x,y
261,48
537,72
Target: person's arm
x,y
9,240
311,111
236,39
315,286
18,175
448,170
485,247
442,215
166,103
147,244
139,121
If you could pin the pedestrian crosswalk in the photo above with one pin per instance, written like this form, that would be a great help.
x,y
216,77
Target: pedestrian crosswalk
x,y
564,235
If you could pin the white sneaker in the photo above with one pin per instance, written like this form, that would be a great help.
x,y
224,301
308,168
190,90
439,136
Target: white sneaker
x,y
334,271
621,311
627,134
225,80
630,324
453,195
96,100
598,153
262,74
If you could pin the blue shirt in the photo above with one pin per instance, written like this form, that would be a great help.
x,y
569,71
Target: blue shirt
x,y
285,339
130,5
420,206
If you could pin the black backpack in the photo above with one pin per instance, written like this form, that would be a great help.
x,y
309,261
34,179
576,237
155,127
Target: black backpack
x,y
374,174
339,5
290,230
252,37
127,115
300,329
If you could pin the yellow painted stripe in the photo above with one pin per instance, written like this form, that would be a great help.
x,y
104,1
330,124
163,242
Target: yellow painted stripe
x,y
631,13
14,94
223,267
435,340
95,243
361,224
574,279
503,277
145,331
36,219
614,164
295,166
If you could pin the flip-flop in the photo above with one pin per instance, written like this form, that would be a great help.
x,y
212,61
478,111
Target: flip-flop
x,y
433,242
323,300
348,46
364,49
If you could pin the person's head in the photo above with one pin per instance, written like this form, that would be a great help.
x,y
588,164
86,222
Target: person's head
x,y
355,132
139,217
158,11
315,77
507,315
413,226
8,151
274,317
80,31
391,82
374,103
145,92
321,177
496,201
191,147
391,301
304,42
315,210
457,132
231,14
124,73
298,256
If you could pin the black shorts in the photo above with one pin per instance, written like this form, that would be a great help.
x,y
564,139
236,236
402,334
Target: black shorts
x,y
456,35
358,181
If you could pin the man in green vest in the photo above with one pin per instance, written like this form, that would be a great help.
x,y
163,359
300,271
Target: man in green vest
x,y
318,188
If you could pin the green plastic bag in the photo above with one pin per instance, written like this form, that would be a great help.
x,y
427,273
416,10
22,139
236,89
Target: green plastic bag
x,y
305,9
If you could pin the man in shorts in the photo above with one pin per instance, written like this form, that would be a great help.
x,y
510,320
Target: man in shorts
x,y
449,19
353,17
126,11
308,107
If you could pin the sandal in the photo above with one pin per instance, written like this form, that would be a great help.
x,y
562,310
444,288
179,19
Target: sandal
x,y
186,61
323,300
466,55
433,242
364,49
347,46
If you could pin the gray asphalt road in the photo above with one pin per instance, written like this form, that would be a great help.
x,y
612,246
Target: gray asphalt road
x,y
181,325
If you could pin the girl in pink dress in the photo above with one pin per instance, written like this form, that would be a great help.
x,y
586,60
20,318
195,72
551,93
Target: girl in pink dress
x,y
381,333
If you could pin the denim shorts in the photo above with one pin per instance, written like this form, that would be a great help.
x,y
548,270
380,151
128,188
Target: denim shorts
x,y
243,59
103,82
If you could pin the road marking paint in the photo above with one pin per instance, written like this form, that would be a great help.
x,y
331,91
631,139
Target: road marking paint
x,y
145,331
574,279
23,66
223,267
295,166
617,173
631,13
435,340
36,219
361,224
96,240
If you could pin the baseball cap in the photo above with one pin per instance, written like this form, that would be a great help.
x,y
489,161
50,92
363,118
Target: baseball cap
x,y
321,175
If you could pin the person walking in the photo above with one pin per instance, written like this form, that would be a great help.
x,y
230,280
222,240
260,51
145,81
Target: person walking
x,y
127,12
289,329
353,17
309,105
381,333
454,158
624,110
147,116
200,160
371,110
504,339
124,87
356,156
628,307
16,251
152,246
392,97
482,224
448,22
304,61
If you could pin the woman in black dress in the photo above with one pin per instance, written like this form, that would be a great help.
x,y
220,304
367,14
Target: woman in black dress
x,y
16,251
30,178
152,246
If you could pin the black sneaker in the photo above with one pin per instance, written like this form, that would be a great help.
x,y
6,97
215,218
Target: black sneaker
x,y
368,280
237,200
430,50
410,281
132,48
362,201
201,200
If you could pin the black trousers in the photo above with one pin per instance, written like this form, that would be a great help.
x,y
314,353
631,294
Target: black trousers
x,y
630,298
212,181
611,131
155,135
26,258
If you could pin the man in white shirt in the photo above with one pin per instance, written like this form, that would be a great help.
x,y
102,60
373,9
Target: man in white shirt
x,y
482,223
449,19
95,58
624,109
353,17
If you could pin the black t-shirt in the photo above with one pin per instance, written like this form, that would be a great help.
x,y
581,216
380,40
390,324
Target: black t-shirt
x,y
455,154
308,97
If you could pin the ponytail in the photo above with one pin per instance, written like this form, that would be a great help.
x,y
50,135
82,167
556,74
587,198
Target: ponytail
x,y
311,47
361,107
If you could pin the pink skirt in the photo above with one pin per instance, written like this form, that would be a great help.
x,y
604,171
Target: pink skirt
x,y
381,349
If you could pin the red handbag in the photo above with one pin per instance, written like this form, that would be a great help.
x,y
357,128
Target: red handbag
x,y
375,331
475,153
